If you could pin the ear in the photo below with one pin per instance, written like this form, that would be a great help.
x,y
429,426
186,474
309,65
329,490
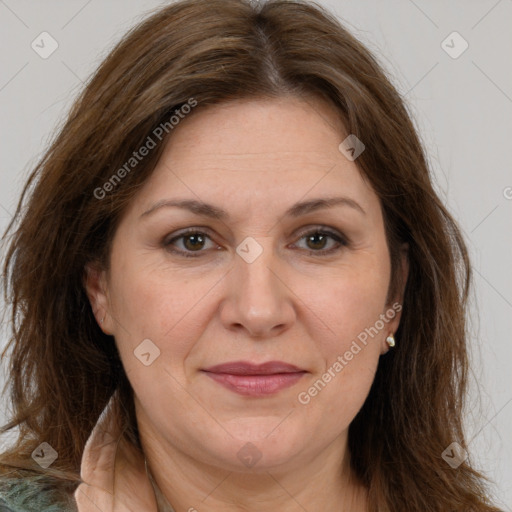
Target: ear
x,y
395,306
95,284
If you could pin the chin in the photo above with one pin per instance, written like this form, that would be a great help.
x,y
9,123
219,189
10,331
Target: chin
x,y
258,447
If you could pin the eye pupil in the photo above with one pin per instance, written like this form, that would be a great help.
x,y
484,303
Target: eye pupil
x,y
318,237
197,241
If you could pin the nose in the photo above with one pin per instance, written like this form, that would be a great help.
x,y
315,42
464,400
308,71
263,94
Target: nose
x,y
258,299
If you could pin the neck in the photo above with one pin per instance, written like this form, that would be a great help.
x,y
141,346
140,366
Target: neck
x,y
183,485
162,502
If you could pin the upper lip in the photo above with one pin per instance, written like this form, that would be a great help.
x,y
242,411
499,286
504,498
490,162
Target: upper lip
x,y
248,368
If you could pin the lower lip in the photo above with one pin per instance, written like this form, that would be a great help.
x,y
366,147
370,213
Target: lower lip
x,y
256,385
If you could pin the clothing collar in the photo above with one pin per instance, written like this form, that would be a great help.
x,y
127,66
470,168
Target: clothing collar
x,y
114,473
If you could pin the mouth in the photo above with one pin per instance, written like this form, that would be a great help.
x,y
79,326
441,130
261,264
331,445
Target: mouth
x,y
250,379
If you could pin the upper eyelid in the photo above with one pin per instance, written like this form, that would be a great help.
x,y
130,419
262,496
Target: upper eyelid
x,y
300,232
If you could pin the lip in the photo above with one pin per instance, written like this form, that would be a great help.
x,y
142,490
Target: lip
x,y
249,379
248,368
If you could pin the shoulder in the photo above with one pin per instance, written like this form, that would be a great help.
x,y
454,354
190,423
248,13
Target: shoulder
x,y
32,494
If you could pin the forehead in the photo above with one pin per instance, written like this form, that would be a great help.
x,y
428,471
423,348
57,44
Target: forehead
x,y
257,151
237,130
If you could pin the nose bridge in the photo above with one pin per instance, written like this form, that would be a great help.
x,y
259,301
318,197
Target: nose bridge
x,y
258,300
256,258
254,269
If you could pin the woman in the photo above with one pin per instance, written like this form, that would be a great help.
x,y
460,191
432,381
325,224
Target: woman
x,y
233,286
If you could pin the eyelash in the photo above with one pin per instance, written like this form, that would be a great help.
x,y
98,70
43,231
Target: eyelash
x,y
342,242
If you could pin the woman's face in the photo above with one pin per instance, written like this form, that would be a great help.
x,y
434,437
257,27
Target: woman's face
x,y
267,274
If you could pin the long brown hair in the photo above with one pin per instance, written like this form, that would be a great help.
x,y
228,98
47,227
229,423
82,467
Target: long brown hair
x,y
64,368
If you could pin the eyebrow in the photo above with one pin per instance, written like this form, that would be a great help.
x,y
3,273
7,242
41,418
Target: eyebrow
x,y
215,212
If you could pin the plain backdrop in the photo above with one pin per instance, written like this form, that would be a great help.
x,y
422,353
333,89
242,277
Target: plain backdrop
x,y
462,106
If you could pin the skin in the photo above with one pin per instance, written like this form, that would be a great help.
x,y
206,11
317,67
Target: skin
x,y
255,159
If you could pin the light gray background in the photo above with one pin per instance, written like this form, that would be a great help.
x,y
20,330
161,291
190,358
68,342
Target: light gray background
x,y
462,107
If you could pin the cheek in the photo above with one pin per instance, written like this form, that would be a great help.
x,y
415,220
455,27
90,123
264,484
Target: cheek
x,y
349,358
348,302
357,302
163,305
350,309
152,298
342,398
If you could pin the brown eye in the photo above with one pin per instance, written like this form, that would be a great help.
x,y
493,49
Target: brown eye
x,y
318,240
188,243
193,242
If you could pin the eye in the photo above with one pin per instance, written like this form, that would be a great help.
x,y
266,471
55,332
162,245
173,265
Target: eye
x,y
317,240
192,240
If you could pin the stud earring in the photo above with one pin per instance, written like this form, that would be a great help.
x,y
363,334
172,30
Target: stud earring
x,y
390,340
103,319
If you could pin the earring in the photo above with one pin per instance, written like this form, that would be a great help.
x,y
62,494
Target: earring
x,y
390,340
103,319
